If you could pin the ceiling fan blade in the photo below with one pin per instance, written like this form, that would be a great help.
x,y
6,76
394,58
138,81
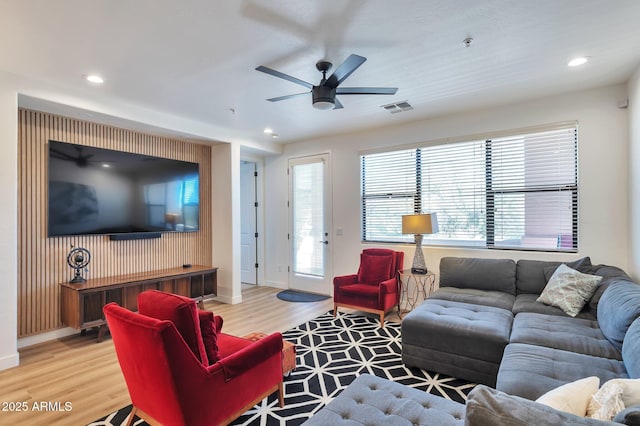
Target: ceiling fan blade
x,y
344,70
337,104
282,98
366,90
284,76
62,155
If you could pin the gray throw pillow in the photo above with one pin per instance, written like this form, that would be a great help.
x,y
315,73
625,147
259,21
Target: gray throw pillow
x,y
582,265
569,289
487,406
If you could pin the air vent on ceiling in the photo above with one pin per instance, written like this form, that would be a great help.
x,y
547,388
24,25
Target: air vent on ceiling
x,y
398,107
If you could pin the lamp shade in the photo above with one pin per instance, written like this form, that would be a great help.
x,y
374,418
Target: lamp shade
x,y
420,223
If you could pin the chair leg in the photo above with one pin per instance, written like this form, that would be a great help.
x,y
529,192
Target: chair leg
x,y
132,415
281,394
382,320
335,310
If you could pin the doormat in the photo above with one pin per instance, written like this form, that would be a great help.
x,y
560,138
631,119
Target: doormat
x,y
300,296
330,354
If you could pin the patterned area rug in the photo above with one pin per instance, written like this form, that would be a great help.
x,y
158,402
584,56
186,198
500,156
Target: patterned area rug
x,y
331,353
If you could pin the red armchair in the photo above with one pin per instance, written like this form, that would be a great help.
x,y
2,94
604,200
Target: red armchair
x,y
375,287
170,383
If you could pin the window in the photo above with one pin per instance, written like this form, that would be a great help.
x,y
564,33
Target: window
x,y
515,192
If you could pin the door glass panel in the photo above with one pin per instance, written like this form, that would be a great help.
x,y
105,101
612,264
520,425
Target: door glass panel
x,y
308,219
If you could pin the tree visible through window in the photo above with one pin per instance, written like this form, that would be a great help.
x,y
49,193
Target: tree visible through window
x,y
516,192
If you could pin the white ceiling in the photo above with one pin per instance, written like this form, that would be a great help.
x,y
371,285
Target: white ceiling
x,y
195,59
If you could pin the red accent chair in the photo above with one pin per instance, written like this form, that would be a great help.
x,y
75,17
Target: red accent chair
x,y
375,287
170,383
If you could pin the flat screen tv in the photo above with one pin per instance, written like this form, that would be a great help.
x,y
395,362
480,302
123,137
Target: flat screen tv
x,y
102,191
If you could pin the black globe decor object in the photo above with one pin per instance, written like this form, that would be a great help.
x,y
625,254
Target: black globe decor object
x,y
78,258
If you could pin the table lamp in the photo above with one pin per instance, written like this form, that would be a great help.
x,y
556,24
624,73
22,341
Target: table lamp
x,y
419,224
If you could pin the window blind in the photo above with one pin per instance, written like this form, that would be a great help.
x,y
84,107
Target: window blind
x,y
515,192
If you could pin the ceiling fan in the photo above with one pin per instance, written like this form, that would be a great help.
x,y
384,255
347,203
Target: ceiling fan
x,y
80,160
324,94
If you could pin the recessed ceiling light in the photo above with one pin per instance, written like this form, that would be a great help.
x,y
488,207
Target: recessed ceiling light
x,y
94,78
275,136
105,165
576,62
268,131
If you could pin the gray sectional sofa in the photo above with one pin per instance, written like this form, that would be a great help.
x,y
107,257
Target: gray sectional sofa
x,y
484,325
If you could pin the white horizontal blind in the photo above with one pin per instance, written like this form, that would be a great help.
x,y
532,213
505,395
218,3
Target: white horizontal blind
x,y
453,186
532,194
388,192
518,192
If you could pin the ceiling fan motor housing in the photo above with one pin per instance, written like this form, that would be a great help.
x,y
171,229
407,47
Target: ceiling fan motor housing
x,y
323,94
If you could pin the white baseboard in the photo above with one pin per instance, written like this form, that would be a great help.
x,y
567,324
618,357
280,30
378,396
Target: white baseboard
x,y
228,300
276,284
9,361
44,337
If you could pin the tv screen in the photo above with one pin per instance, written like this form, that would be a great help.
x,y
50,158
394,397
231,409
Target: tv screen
x,y
102,191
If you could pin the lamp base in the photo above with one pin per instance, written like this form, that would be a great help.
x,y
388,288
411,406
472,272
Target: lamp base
x,y
419,271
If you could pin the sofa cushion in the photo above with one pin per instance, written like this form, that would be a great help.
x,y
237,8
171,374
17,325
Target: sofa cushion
x,y
569,289
374,268
362,290
497,299
529,371
570,334
526,302
631,350
619,306
486,406
482,274
530,276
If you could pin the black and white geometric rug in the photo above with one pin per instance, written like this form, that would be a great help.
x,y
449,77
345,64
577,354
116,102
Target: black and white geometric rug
x,y
331,353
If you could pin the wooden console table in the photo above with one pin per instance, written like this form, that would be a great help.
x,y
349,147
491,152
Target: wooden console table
x,y
81,304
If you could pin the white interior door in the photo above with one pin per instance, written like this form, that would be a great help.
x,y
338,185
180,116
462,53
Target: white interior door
x,y
310,224
248,223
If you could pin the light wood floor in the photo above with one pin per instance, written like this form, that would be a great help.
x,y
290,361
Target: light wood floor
x,y
78,370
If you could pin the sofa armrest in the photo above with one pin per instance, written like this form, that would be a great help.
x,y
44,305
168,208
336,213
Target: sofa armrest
x,y
389,286
250,356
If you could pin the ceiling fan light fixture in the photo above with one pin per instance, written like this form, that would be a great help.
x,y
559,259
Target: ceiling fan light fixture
x,y
323,104
324,97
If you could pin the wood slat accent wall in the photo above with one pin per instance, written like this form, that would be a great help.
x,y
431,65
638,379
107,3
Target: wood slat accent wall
x,y
42,261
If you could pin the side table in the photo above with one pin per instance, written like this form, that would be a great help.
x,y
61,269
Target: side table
x,y
288,352
413,285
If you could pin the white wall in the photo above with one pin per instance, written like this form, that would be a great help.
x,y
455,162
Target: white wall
x,y
603,145
634,172
8,224
225,167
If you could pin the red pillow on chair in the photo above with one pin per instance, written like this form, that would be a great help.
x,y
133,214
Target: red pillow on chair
x,y
375,269
181,311
209,330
